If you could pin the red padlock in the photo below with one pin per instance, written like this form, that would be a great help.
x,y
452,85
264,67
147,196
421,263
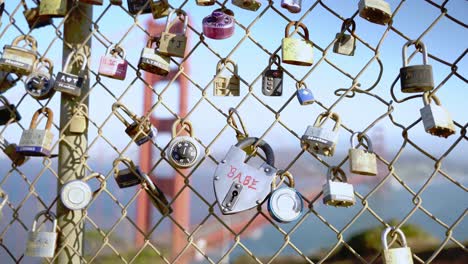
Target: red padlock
x,y
113,64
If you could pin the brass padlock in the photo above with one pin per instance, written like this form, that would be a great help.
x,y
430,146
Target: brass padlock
x,y
37,142
361,161
8,112
416,78
79,120
34,19
206,2
10,150
375,11
93,2
345,44
70,83
53,8
152,61
240,135
436,119
251,5
174,44
140,130
137,6
17,59
40,83
400,255
160,8
297,51
224,85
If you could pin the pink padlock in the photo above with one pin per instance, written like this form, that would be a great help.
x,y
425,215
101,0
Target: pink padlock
x,y
113,64
219,25
293,6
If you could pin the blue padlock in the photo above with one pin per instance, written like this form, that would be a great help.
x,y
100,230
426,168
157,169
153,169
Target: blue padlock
x,y
304,94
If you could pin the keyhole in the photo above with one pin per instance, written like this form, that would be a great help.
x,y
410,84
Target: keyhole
x,y
234,194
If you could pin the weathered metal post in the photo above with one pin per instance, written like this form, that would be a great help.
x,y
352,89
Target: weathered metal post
x,y
72,150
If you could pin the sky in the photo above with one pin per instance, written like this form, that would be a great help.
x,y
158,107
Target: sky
x,y
447,40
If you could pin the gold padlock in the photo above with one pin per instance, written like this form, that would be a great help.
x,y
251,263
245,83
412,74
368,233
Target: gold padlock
x,y
297,51
53,8
240,135
224,85
160,8
33,18
19,60
252,5
79,120
172,44
206,2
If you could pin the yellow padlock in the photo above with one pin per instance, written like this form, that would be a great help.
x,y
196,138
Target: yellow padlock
x,y
53,8
297,51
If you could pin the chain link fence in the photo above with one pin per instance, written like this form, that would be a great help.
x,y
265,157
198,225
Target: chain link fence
x,y
110,220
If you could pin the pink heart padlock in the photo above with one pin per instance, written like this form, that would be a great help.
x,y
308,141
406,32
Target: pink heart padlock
x,y
219,25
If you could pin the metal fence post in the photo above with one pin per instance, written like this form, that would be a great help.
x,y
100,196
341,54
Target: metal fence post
x,y
72,149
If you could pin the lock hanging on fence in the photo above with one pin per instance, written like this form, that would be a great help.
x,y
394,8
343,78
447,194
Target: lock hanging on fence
x,y
4,197
174,44
152,61
251,5
304,95
77,194
157,197
375,11
205,2
79,120
272,84
401,255
128,177
285,204
33,17
226,85
93,2
293,6
40,83
362,161
320,140
19,60
37,142
7,81
436,119
416,78
140,130
336,193
135,6
240,135
160,8
8,112
219,25
239,186
70,83
297,51
41,243
10,150
183,151
345,44
53,8
113,64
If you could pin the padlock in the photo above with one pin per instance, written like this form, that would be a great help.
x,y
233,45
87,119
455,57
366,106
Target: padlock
x,y
137,6
362,161
219,25
4,197
128,177
70,83
224,85
320,140
239,186
338,193
40,83
160,8
152,61
79,120
173,44
436,119
293,6
10,150
77,194
92,2
205,2
285,204
252,5
297,51
416,78
272,84
183,151
41,243
240,135
304,95
37,142
345,44
34,19
375,11
157,197
113,64
53,8
7,81
401,255
116,2
17,59
140,130
8,112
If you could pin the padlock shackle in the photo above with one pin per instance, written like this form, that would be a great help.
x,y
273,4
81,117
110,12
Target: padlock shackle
x,y
275,59
226,62
69,60
418,44
250,141
296,24
3,195
301,84
322,118
49,115
179,12
182,124
149,183
4,100
282,174
152,40
38,64
360,136
397,231
232,122
116,49
49,215
127,111
427,97
81,109
127,162
333,172
100,178
348,23
225,10
26,38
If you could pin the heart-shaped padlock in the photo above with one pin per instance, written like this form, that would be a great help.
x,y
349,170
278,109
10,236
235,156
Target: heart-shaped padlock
x,y
285,204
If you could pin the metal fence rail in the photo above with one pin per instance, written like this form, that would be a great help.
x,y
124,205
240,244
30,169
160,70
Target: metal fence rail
x,y
17,221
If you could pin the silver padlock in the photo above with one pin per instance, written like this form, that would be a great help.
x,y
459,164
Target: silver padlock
x,y
401,255
321,140
416,78
157,197
40,243
128,177
285,204
183,151
375,11
76,194
40,83
362,161
338,193
4,196
239,186
19,60
37,142
345,44
436,119
152,61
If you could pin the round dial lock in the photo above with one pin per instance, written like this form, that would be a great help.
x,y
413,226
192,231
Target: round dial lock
x,y
285,205
39,86
183,152
76,195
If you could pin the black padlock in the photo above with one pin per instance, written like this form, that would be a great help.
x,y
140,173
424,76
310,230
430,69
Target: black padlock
x,y
416,78
135,6
8,112
70,83
273,79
